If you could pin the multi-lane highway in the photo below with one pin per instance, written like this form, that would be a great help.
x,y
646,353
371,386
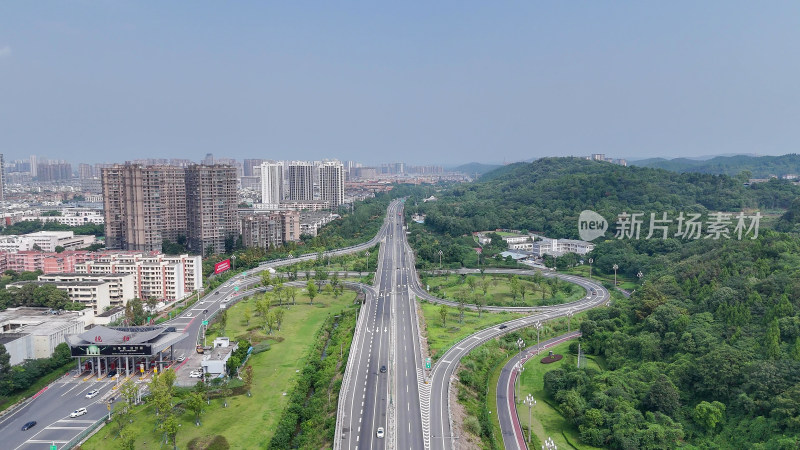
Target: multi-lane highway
x,y
381,390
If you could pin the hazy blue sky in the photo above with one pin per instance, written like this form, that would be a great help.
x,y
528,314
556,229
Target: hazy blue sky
x,y
421,82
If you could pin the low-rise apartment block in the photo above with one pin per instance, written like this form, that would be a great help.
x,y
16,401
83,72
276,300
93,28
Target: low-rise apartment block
x,y
168,277
96,291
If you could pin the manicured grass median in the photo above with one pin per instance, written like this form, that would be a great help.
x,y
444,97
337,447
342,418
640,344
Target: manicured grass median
x,y
547,421
248,422
498,289
441,338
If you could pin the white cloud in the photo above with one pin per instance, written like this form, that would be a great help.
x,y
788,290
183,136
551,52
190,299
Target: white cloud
x,y
5,51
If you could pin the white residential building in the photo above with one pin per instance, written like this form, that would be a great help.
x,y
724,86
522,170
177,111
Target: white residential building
x,y
159,276
331,183
271,183
46,241
73,217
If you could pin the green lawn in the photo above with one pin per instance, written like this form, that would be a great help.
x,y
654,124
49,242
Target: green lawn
x,y
442,338
248,422
499,290
547,421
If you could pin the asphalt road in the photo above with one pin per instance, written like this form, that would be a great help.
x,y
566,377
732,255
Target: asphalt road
x,y
506,408
438,432
386,336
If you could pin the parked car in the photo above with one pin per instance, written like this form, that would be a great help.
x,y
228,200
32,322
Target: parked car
x,y
78,412
181,358
29,425
379,434
93,393
195,374
112,373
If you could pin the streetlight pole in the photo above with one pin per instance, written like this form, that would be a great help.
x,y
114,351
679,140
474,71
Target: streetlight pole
x,y
519,368
615,267
233,261
367,253
529,400
440,259
640,275
538,326
590,267
520,344
569,320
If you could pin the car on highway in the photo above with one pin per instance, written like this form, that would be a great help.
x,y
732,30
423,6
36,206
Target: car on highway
x,y
379,433
188,315
29,425
594,292
78,412
93,393
502,327
383,369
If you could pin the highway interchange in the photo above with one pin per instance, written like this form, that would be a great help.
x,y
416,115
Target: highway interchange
x,y
412,413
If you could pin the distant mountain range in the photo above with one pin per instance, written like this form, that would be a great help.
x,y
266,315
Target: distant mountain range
x,y
475,168
758,166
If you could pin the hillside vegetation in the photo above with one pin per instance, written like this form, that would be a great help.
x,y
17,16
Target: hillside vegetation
x,y
706,352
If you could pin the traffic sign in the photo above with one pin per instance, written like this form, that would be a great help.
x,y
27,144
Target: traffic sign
x,y
205,323
427,363
53,447
236,289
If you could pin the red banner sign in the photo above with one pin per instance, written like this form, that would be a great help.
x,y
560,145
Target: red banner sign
x,y
222,266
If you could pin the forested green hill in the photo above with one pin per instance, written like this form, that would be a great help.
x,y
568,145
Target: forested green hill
x,y
706,352
549,194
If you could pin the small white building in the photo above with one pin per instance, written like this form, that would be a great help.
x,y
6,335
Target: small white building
x,y
214,362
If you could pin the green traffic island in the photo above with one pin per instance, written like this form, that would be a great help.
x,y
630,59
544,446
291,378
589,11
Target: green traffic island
x,y
502,289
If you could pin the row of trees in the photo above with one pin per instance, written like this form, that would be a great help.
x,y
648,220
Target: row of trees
x,y
20,377
32,226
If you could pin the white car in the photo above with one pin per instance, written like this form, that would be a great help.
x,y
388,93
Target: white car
x,y
379,433
93,393
78,412
195,374
181,358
